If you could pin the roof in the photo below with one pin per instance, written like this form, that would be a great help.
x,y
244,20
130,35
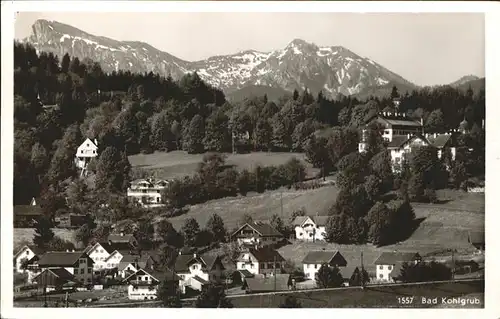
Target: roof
x,y
199,279
263,229
88,140
347,271
34,249
245,273
278,282
266,254
27,210
392,258
124,264
118,238
320,257
183,261
159,276
398,141
299,220
439,141
61,273
476,237
59,258
110,248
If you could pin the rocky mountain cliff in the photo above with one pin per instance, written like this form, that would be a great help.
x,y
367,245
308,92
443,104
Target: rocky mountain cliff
x,y
299,65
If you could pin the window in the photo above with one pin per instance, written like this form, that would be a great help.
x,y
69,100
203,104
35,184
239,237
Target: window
x,y
82,271
380,267
381,276
87,144
81,153
263,266
75,271
93,152
89,270
389,267
146,278
88,280
82,261
300,234
251,266
315,266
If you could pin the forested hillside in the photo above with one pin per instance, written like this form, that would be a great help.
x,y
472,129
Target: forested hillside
x,y
131,113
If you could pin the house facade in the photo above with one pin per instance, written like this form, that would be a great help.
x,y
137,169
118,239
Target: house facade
x,y
257,234
122,241
85,152
55,279
143,285
23,256
310,228
315,259
388,264
99,253
196,271
147,192
78,264
260,261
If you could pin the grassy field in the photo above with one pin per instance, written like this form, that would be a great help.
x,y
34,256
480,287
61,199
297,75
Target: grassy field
x,y
178,163
25,235
261,206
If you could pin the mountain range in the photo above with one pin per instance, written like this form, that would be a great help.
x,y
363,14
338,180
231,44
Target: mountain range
x,y
331,69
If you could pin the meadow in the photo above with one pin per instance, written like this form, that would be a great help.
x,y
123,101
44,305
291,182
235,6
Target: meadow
x,y
179,163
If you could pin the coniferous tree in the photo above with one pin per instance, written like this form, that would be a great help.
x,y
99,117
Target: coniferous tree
x,y
43,232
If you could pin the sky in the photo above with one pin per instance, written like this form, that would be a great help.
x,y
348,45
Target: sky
x,y
424,48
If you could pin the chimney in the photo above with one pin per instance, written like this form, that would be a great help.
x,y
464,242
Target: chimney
x,y
194,255
95,141
435,135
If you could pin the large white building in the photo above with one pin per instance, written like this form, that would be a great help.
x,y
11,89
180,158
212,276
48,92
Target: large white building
x,y
143,285
77,265
196,271
147,192
85,153
260,261
313,261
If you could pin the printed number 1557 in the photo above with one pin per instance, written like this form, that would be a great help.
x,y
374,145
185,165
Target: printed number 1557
x,y
405,300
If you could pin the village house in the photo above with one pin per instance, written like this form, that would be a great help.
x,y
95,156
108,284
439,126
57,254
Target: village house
x,y
26,216
85,153
310,228
196,271
147,192
71,221
99,252
24,255
476,239
131,263
260,261
257,233
315,259
388,264
280,282
78,264
122,241
143,284
55,279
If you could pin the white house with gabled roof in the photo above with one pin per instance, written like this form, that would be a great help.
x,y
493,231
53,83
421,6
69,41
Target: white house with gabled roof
x,y
85,152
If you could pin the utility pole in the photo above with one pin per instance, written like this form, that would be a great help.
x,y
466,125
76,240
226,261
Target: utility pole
x,y
45,290
362,272
281,202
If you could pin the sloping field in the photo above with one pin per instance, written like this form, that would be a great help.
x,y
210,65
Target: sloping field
x,y
179,163
25,235
261,206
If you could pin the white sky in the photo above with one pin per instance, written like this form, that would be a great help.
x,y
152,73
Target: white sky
x,y
424,48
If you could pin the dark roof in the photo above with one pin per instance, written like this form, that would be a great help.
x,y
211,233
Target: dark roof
x,y
392,258
278,282
266,254
118,238
476,237
183,261
59,258
321,220
27,210
159,276
320,257
106,246
199,279
439,141
299,220
347,271
63,274
34,249
245,273
398,141
263,229
123,264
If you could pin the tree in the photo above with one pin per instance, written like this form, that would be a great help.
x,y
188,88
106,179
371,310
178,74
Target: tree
x,y
65,63
86,232
217,135
394,92
246,219
329,277
193,140
359,277
145,234
167,293
316,150
43,232
263,134
190,231
336,229
277,223
215,225
167,233
213,296
291,302
435,121
424,271
112,171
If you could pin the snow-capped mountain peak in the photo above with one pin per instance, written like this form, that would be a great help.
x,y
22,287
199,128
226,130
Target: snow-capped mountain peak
x,y
300,64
